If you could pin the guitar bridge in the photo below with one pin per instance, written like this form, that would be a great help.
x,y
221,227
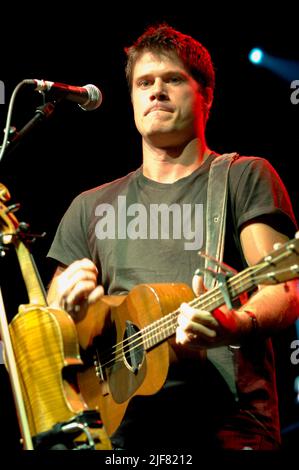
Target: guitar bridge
x,y
100,374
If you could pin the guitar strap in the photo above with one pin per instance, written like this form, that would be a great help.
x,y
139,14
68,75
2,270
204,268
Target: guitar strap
x,y
217,192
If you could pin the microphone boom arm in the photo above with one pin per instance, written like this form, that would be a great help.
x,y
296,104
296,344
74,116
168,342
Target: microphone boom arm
x,y
41,113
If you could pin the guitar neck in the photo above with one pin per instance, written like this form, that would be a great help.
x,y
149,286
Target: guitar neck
x,y
34,285
166,326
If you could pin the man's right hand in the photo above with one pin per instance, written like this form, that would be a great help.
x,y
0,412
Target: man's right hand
x,y
74,288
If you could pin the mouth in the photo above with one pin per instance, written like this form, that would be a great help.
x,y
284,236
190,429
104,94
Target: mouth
x,y
159,107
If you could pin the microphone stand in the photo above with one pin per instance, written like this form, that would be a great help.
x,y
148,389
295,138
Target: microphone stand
x,y
14,378
41,113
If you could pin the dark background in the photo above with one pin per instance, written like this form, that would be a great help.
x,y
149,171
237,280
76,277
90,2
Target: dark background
x,y
75,150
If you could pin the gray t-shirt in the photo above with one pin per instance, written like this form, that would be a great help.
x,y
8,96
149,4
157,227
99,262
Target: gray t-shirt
x,y
140,231
137,230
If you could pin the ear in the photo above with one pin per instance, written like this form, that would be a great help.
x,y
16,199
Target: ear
x,y
208,97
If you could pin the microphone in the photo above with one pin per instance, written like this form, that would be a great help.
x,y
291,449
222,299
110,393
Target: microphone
x,y
87,97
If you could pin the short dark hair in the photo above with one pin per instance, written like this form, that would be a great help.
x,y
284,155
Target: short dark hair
x,y
162,39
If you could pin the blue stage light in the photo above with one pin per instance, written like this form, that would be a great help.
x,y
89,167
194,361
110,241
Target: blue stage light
x,y
256,56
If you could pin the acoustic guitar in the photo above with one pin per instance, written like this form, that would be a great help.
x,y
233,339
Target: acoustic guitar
x,y
127,341
46,351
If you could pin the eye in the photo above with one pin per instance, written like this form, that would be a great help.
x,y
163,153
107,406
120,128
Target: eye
x,y
175,79
143,83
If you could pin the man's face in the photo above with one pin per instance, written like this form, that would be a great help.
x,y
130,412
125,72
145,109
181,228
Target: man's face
x,y
167,101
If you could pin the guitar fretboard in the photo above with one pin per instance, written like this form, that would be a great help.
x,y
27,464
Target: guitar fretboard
x,y
165,327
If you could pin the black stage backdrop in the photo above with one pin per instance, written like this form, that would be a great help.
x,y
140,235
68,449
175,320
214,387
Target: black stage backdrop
x,y
76,150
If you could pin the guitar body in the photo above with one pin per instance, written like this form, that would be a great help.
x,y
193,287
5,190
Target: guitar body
x,y
47,353
131,370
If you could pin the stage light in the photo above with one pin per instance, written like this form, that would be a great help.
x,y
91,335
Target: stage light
x,y
288,69
256,56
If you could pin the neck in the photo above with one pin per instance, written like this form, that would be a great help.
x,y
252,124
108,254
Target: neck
x,y
167,165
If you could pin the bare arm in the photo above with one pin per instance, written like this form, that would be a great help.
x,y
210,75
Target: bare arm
x,y
275,307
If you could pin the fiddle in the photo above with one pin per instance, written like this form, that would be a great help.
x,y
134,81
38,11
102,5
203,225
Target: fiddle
x,y
47,357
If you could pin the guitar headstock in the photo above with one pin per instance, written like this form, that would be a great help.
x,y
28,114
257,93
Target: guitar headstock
x,y
9,224
281,265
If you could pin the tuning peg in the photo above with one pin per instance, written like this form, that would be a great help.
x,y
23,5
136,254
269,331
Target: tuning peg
x,y
23,232
23,226
4,193
13,208
3,249
277,245
2,252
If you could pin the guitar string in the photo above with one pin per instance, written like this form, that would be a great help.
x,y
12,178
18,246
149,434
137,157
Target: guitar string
x,y
138,339
170,322
142,337
170,319
200,301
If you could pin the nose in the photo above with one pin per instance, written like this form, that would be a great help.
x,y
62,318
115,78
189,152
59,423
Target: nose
x,y
158,91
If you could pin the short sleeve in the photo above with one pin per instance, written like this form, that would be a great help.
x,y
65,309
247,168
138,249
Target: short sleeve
x,y
259,193
70,242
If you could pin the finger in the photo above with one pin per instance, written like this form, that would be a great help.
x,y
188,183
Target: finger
x,y
67,282
200,329
79,293
191,314
81,304
84,263
95,295
203,337
187,312
180,336
200,332
198,285
76,272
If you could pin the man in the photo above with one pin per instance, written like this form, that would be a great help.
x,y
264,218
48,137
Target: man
x,y
119,235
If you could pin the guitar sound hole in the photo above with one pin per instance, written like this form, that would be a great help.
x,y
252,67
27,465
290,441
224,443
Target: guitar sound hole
x,y
133,347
